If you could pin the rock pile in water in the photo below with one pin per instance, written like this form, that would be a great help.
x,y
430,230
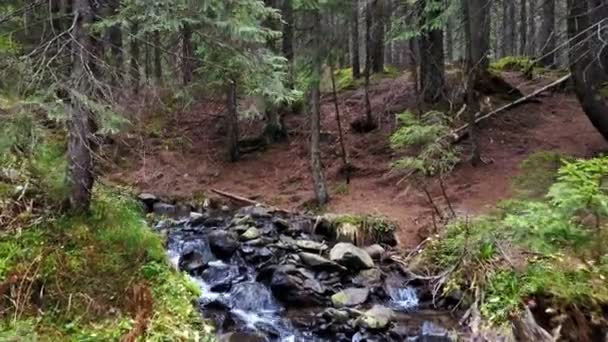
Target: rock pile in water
x,y
274,276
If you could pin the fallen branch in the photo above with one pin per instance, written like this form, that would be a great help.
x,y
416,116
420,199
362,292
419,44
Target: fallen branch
x,y
236,197
462,132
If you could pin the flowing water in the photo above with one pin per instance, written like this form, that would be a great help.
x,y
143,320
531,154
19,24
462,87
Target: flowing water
x,y
275,282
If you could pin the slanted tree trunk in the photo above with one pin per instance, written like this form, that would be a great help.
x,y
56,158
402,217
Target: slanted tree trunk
x,y
377,31
158,67
135,77
232,121
523,27
354,36
81,176
432,67
584,64
314,109
187,54
546,33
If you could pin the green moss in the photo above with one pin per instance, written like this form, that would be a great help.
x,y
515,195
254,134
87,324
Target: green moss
x,y
363,230
512,63
88,264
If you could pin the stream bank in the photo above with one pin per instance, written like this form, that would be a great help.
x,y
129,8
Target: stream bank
x,y
269,275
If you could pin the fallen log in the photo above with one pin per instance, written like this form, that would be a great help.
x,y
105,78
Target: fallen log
x,y
462,132
235,197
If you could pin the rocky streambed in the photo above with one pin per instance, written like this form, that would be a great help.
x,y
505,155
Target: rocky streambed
x,y
273,276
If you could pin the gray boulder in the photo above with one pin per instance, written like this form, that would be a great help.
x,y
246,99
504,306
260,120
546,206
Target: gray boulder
x,y
377,318
318,262
223,244
351,256
350,297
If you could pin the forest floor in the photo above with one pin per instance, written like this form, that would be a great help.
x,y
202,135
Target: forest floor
x,y
185,160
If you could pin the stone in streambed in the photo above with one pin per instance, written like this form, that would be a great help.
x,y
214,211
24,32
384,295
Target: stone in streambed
x,y
223,244
242,336
350,297
318,262
311,245
375,251
377,318
250,234
351,256
368,278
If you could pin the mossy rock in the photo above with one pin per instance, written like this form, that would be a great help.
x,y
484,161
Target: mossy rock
x,y
361,230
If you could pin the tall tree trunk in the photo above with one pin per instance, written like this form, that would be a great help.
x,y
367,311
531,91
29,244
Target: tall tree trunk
x,y
377,50
466,24
388,46
368,65
584,64
547,32
115,42
354,37
81,145
479,32
158,67
532,38
135,76
233,121
449,40
288,24
523,27
147,59
314,109
511,28
432,67
187,54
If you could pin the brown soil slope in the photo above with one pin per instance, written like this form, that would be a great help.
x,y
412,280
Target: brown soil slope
x,y
280,175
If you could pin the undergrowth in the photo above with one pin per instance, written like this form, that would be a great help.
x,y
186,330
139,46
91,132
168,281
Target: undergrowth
x,y
554,247
345,81
99,277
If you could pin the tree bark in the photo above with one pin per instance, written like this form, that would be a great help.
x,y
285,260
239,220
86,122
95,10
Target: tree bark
x,y
377,50
320,187
432,67
115,42
449,40
233,121
547,33
354,37
479,32
135,76
187,54
532,39
523,27
586,68
158,67
288,24
81,176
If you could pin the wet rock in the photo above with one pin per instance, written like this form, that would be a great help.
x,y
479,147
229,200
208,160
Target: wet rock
x,y
253,297
280,223
297,286
300,226
148,200
350,297
368,278
350,256
242,337
255,212
164,209
260,241
193,260
377,318
207,221
430,332
240,229
318,262
223,244
220,277
250,234
375,251
311,245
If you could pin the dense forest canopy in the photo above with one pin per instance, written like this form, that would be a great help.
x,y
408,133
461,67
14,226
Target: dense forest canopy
x,y
83,83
